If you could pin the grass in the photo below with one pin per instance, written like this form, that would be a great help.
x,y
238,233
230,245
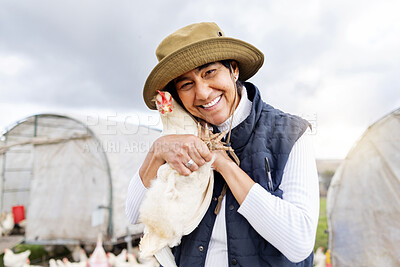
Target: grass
x,y
322,236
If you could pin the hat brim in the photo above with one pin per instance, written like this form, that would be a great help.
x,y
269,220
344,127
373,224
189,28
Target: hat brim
x,y
249,58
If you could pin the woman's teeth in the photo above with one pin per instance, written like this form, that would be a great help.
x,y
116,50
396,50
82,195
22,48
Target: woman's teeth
x,y
212,103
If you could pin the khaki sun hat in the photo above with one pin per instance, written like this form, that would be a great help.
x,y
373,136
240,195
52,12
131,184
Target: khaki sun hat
x,y
196,45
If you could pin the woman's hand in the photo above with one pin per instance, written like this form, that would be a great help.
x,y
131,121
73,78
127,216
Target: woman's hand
x,y
177,150
221,160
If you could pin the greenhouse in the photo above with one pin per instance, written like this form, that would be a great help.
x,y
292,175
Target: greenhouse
x,y
71,174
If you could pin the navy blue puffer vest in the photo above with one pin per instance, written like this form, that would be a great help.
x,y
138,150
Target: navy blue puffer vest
x,y
266,132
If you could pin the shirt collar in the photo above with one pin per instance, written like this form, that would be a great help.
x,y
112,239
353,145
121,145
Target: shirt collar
x,y
242,111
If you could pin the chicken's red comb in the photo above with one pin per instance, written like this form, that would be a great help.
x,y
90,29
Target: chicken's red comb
x,y
164,105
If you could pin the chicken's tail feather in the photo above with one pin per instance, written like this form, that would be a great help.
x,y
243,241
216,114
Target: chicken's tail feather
x,y
165,257
148,246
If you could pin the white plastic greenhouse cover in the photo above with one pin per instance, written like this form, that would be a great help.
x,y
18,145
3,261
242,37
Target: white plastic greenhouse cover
x,y
71,173
363,204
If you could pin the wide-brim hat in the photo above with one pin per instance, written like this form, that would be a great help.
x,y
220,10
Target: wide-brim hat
x,y
194,46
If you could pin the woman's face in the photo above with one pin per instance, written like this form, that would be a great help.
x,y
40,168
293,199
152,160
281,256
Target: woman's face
x,y
208,92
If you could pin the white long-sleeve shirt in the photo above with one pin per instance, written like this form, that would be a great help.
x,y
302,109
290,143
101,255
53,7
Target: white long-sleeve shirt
x,y
289,224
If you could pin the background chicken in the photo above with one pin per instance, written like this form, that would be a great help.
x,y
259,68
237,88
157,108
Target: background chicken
x,y
79,254
12,259
319,258
7,223
174,204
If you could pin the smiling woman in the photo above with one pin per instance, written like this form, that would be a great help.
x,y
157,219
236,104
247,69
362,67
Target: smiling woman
x,y
265,209
209,91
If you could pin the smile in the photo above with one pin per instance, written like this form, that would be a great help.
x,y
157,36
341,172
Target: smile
x,y
212,103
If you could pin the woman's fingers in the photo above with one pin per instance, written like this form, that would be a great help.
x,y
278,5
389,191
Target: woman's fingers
x,y
195,160
203,150
180,167
185,153
191,165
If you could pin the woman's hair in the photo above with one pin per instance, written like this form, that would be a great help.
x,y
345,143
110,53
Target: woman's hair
x,y
226,63
239,84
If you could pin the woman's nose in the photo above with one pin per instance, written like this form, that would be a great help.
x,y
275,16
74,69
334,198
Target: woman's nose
x,y
203,91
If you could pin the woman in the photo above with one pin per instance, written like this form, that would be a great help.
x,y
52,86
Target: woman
x,y
269,211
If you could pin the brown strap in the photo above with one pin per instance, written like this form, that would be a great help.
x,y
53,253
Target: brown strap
x,y
221,196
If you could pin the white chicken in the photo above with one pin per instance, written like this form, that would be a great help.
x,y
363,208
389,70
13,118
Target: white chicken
x,y
7,223
319,258
79,254
174,204
12,259
115,261
52,263
60,263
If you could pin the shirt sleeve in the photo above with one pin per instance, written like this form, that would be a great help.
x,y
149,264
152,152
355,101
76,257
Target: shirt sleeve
x,y
290,223
136,193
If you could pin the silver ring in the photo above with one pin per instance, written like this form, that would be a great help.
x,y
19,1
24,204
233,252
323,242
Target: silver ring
x,y
189,164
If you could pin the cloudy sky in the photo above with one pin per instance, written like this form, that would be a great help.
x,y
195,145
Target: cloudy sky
x,y
337,63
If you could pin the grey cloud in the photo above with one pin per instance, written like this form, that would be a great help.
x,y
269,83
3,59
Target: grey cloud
x,y
82,54
99,54
91,53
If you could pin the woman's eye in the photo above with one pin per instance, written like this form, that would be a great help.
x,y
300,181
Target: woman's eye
x,y
211,71
185,86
